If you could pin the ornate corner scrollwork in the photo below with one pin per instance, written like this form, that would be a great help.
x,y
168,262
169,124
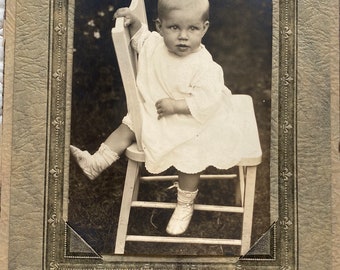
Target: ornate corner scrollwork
x,y
60,29
285,174
286,223
57,123
54,266
287,32
286,127
58,75
239,267
55,172
53,220
286,79
285,267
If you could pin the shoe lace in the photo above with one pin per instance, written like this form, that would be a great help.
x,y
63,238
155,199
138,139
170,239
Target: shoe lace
x,y
174,185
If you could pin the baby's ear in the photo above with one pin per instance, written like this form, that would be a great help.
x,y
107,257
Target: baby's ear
x,y
206,26
158,25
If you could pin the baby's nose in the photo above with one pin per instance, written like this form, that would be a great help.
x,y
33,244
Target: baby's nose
x,y
183,34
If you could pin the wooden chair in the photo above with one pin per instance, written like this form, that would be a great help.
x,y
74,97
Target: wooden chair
x,y
127,60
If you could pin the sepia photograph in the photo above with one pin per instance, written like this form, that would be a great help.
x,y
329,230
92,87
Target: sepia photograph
x,y
234,42
170,134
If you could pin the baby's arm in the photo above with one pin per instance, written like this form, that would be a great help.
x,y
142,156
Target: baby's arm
x,y
130,20
168,106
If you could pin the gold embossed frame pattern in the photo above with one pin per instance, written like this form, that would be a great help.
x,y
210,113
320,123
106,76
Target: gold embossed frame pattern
x,y
62,250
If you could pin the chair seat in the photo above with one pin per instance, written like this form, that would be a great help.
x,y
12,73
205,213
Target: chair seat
x,y
251,147
133,153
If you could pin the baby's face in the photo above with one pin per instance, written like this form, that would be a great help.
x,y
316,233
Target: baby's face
x,y
182,31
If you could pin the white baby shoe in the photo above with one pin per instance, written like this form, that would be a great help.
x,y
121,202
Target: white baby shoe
x,y
93,165
181,217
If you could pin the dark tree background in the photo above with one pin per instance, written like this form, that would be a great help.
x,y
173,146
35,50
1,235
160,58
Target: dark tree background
x,y
239,39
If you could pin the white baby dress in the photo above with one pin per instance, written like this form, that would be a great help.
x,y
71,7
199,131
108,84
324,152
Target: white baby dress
x,y
210,136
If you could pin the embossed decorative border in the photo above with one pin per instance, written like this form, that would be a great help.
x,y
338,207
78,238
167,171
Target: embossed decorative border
x,y
57,115
54,237
287,135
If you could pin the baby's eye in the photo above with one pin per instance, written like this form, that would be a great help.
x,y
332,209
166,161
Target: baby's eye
x,y
193,28
173,27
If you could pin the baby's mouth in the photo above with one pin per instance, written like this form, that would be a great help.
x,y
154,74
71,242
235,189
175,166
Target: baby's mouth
x,y
182,46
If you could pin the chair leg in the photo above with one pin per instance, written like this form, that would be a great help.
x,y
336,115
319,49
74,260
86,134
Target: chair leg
x,y
248,208
131,178
239,190
136,189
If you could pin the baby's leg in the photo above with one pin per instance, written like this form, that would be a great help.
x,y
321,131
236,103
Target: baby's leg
x,y
120,139
186,195
108,152
188,182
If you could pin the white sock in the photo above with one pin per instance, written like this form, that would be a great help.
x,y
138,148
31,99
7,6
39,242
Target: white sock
x,y
93,165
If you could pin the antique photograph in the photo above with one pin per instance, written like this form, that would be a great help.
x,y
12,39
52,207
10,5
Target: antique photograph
x,y
170,134
215,63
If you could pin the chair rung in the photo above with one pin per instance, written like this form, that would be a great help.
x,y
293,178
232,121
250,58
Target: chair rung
x,y
200,207
183,240
175,177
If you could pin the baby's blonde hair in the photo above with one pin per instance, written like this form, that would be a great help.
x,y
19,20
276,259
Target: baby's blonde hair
x,y
165,6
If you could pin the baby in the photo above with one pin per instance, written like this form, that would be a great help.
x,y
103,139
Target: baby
x,y
187,113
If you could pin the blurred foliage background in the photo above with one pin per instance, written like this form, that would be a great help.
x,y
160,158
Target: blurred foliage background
x,y
239,38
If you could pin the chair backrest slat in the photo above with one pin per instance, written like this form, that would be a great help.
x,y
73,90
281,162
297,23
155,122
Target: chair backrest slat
x,y
127,61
